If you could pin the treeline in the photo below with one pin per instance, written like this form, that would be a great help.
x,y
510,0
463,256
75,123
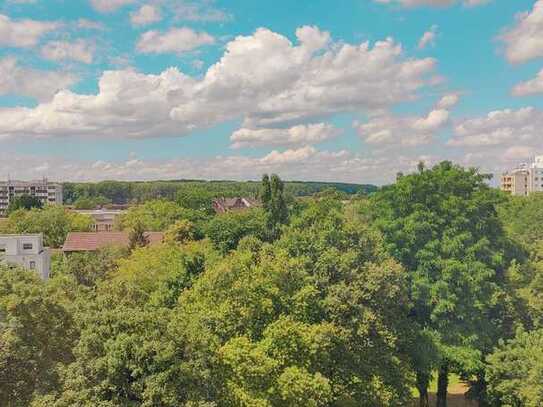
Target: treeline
x,y
118,192
314,302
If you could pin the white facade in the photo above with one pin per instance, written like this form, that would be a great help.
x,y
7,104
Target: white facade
x,y
48,193
26,251
524,180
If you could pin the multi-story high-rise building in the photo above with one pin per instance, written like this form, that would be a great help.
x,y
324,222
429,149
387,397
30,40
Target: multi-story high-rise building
x,y
525,179
48,193
26,251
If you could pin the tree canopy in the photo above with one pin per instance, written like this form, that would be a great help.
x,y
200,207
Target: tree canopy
x,y
442,225
321,301
53,221
24,202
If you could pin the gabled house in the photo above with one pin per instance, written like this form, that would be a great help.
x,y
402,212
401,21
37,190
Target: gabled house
x,y
223,205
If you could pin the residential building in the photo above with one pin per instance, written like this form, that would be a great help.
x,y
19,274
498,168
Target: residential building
x,y
222,205
26,251
516,182
90,241
104,219
527,178
48,193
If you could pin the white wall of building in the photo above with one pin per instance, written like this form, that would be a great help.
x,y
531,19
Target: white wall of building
x,y
26,251
48,193
532,172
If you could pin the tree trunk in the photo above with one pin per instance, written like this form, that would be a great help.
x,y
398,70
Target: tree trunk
x,y
481,388
423,381
442,384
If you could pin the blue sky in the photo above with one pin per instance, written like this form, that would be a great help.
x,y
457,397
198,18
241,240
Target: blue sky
x,y
355,90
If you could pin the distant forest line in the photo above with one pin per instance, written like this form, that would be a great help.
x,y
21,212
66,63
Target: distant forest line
x,y
124,192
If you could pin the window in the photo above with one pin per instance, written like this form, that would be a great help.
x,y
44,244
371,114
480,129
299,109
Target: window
x,y
27,246
32,265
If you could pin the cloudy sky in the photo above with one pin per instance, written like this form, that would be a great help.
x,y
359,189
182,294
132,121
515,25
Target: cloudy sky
x,y
352,90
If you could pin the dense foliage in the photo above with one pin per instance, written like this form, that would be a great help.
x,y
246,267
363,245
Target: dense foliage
x,y
53,221
158,215
191,194
318,301
24,202
442,225
515,370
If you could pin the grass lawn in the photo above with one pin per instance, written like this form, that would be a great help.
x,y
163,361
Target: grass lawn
x,y
456,394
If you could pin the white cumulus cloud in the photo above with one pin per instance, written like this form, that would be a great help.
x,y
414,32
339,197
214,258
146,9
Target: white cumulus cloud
x,y
305,163
186,10
433,3
428,38
41,85
500,127
287,85
79,50
23,33
85,24
176,40
146,14
530,87
524,40
296,135
108,6
388,129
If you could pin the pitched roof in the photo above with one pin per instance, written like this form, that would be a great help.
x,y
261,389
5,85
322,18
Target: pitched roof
x,y
92,241
222,205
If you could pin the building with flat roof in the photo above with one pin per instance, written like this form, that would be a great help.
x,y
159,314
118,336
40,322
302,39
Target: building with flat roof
x,y
48,193
104,220
26,251
516,182
527,178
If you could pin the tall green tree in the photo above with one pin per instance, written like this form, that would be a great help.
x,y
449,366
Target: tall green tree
x,y
317,318
442,225
226,230
137,237
266,193
158,215
36,335
515,371
124,354
85,202
53,221
273,200
24,202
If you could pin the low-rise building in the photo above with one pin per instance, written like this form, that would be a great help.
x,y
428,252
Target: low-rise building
x,y
516,182
104,219
26,251
48,193
222,205
90,241
527,178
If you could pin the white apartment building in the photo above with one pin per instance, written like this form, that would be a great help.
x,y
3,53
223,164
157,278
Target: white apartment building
x,y
26,251
47,192
525,179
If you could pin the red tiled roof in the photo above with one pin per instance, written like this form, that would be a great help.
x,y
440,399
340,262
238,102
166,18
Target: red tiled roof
x,y
89,241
